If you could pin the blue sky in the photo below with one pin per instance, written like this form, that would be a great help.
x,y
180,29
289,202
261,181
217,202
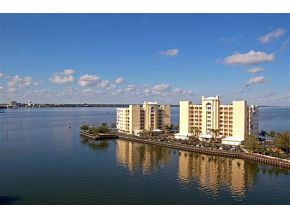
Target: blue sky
x,y
129,58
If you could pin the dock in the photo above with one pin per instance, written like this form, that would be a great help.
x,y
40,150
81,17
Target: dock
x,y
99,136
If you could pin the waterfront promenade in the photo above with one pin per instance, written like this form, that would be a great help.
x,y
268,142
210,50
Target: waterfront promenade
x,y
278,162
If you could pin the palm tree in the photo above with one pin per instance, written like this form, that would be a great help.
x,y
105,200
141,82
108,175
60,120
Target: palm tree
x,y
214,140
167,127
272,134
252,142
84,127
197,132
151,133
215,132
113,125
143,133
193,129
94,130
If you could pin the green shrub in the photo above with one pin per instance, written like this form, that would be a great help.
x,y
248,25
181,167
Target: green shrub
x,y
84,127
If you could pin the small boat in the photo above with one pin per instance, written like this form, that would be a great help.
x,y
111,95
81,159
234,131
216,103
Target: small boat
x,y
2,111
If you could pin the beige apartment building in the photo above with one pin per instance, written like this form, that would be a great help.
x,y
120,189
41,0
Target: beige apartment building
x,y
149,116
212,119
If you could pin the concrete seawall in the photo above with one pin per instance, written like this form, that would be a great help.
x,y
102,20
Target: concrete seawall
x,y
246,156
100,136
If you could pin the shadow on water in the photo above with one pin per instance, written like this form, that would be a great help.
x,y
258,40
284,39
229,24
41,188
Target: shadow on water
x,y
6,200
101,145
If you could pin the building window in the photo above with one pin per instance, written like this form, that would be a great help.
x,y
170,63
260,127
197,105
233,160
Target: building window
x,y
208,106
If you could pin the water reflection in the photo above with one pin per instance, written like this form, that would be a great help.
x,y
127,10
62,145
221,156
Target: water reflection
x,y
139,156
211,173
101,145
214,172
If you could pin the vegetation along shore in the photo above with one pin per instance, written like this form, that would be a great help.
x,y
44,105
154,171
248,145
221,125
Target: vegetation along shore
x,y
251,150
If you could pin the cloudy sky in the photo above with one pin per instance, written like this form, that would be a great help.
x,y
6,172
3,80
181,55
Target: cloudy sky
x,y
107,58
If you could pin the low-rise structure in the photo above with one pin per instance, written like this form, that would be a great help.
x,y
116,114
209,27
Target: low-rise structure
x,y
12,104
211,119
29,104
149,116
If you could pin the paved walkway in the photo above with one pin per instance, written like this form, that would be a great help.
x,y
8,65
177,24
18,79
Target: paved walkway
x,y
244,150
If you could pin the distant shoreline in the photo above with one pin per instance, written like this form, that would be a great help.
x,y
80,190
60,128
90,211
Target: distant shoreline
x,y
2,106
71,105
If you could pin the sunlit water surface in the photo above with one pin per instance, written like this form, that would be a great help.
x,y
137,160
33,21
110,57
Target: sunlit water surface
x,y
43,161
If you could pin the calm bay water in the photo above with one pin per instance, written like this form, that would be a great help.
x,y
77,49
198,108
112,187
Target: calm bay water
x,y
42,161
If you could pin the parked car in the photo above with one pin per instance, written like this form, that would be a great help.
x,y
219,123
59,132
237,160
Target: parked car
x,y
226,147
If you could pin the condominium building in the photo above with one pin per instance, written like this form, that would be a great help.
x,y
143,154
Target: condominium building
x,y
212,119
253,120
149,116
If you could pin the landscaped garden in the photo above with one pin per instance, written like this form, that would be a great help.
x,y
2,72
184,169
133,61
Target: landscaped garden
x,y
275,144
96,130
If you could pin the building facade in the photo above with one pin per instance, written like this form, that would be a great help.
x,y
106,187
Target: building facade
x,y
149,116
12,104
212,119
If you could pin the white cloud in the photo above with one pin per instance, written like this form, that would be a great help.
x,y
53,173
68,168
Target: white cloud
x,y
256,80
170,52
161,88
164,91
190,93
255,70
131,88
250,58
89,80
120,80
1,75
271,36
285,44
93,80
271,96
64,77
43,92
179,91
112,87
147,91
18,83
104,84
